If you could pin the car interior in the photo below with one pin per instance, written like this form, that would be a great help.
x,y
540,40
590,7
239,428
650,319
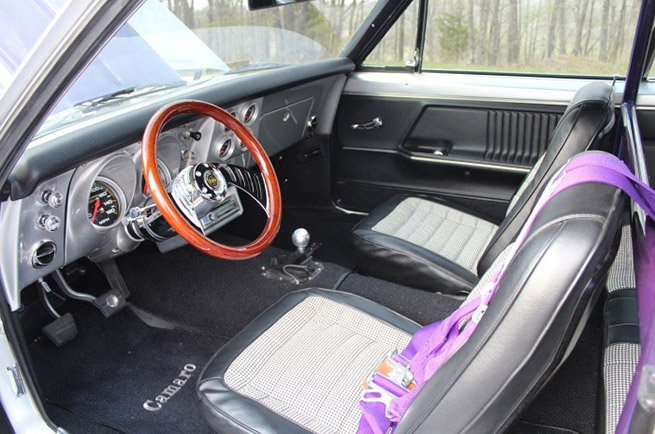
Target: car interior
x,y
349,207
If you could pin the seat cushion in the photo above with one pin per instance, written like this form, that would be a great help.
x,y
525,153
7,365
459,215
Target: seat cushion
x,y
622,272
299,366
619,365
422,242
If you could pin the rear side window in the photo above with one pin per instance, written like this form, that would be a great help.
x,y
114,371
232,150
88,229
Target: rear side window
x,y
558,37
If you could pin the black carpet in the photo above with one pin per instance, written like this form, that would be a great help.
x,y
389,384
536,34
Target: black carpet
x,y
570,399
215,296
76,422
523,427
421,306
103,377
327,226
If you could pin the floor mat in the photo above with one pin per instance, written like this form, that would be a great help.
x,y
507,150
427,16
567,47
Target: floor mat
x,y
327,226
116,366
215,296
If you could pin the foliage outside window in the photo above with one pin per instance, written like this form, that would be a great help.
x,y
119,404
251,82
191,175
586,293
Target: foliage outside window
x,y
292,34
569,37
399,43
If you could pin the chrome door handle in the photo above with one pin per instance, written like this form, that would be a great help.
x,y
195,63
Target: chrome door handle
x,y
375,123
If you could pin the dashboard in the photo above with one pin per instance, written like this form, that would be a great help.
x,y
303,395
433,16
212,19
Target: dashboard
x,y
85,210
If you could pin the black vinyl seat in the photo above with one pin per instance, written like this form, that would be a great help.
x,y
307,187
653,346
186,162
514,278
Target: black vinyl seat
x,y
427,243
299,367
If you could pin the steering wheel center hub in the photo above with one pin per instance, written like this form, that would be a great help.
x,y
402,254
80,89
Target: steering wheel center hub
x,y
209,182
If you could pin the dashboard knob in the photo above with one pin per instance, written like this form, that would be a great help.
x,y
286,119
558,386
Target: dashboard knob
x,y
53,198
49,222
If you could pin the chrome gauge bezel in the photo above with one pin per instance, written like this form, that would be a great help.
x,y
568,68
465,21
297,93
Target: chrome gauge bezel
x,y
245,109
164,175
120,197
228,154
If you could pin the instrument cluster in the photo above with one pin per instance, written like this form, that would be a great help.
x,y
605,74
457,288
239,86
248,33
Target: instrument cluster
x,y
228,144
85,212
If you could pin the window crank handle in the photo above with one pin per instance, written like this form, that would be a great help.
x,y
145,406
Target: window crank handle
x,y
375,123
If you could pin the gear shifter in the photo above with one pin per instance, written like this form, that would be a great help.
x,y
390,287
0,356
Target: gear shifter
x,y
296,267
300,239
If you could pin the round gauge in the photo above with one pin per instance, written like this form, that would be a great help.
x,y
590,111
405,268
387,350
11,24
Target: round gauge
x,y
250,114
225,150
164,175
104,207
234,115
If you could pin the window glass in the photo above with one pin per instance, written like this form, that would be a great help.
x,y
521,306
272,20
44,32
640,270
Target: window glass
x,y
570,37
292,34
398,45
170,44
22,24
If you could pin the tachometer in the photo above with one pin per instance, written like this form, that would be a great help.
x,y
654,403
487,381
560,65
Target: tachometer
x,y
104,207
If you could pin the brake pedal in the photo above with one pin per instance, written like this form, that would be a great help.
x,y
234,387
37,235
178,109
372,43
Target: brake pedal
x,y
61,330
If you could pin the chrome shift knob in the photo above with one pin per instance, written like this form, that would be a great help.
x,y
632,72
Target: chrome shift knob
x,y
300,239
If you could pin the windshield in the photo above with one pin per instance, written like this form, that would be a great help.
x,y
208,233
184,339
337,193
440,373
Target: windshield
x,y
168,45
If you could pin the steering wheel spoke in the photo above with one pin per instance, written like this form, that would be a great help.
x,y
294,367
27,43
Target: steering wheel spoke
x,y
248,181
204,196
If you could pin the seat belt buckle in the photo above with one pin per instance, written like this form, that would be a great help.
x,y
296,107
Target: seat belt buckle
x,y
395,368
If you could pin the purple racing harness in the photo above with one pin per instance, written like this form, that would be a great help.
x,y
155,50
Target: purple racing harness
x,y
392,387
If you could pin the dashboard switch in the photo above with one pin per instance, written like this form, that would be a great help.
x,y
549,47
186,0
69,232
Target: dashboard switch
x,y
49,222
52,198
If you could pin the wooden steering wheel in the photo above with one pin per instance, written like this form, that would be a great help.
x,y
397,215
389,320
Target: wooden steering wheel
x,y
171,211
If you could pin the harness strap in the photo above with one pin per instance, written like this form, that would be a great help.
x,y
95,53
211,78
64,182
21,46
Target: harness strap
x,y
384,403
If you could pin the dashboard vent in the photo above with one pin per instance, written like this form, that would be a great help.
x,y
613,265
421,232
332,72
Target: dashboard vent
x,y
44,254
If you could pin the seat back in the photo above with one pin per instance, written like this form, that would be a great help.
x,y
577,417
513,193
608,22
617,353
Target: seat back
x,y
535,318
587,119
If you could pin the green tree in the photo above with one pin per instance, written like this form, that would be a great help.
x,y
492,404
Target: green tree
x,y
453,35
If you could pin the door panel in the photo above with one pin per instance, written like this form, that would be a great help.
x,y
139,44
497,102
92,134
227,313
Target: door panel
x,y
474,148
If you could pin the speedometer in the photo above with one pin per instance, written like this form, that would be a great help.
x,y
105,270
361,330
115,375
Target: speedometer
x,y
104,207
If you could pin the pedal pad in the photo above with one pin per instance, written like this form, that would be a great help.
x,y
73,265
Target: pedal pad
x,y
110,302
61,330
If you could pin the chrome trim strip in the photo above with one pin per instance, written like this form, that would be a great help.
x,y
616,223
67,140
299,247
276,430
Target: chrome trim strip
x,y
635,156
349,211
448,161
471,164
